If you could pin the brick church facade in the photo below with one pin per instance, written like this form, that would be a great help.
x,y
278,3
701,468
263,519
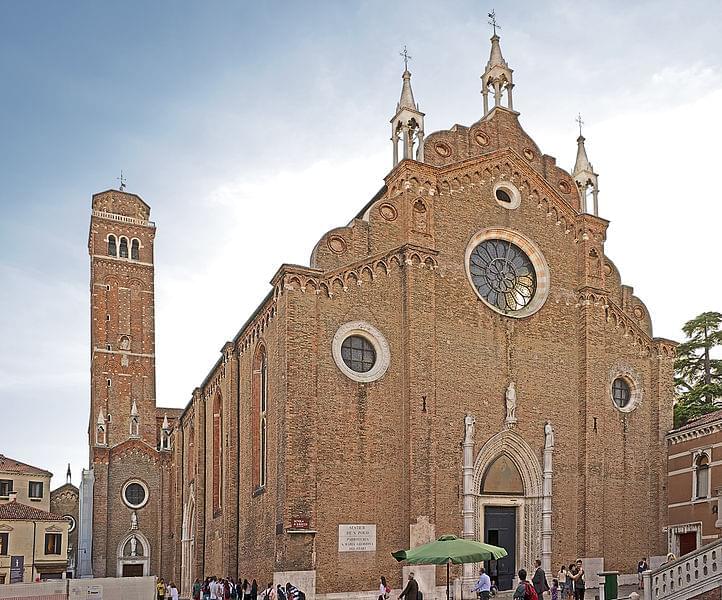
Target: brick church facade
x,y
462,357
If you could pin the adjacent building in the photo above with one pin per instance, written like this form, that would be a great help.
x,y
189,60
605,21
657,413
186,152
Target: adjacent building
x,y
33,540
460,357
694,481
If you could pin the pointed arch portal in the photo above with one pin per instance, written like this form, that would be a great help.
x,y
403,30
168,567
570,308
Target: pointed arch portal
x,y
508,490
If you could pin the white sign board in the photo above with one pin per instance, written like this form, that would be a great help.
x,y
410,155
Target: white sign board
x,y
95,592
356,538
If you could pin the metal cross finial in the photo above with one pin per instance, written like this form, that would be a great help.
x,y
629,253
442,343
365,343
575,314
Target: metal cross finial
x,y
580,122
492,22
407,58
122,181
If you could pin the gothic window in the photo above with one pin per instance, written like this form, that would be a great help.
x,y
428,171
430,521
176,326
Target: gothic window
x,y
260,417
100,435
421,219
112,248
358,353
191,453
621,392
53,543
217,447
135,250
701,467
123,247
134,426
503,275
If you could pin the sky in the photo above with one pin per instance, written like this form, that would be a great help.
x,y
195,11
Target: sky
x,y
251,128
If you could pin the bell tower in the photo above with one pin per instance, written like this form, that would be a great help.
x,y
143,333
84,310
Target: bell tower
x,y
122,321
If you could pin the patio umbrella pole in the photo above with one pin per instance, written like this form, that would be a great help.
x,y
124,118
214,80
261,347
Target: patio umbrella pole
x,y
448,566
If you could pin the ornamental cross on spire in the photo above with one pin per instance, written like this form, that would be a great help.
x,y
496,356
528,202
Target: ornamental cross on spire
x,y
122,180
407,58
492,21
580,123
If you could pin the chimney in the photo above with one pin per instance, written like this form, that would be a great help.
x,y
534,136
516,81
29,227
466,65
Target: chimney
x,y
13,495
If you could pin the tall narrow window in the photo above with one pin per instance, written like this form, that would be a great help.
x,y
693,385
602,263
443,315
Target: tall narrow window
x,y
135,250
217,447
123,247
35,490
112,248
260,417
702,470
4,539
53,543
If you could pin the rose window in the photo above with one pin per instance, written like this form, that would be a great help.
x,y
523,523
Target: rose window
x,y
503,275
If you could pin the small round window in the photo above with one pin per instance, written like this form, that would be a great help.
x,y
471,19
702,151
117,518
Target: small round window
x,y
71,523
135,494
507,195
358,353
621,392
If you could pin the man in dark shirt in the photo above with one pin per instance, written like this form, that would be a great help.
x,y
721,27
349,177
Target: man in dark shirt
x,y
411,591
539,581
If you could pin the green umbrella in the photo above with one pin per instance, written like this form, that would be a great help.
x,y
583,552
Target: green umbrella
x,y
450,549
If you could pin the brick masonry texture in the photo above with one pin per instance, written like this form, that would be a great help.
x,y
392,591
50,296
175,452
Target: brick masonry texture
x,y
389,451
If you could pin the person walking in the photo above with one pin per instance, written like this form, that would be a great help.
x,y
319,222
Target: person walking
x,y
384,589
525,590
562,579
173,591
411,591
483,585
160,589
196,592
539,580
254,590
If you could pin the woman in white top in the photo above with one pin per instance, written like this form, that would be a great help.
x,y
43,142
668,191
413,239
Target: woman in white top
x,y
173,591
383,589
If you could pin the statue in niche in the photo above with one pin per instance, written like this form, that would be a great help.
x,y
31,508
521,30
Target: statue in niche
x,y
124,343
133,546
469,429
133,520
548,435
511,404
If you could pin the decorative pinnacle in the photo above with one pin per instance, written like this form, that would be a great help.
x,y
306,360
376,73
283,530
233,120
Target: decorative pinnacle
x,y
580,122
122,180
492,20
407,58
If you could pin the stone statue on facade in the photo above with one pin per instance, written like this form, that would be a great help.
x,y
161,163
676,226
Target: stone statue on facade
x,y
548,435
133,520
511,404
133,546
469,429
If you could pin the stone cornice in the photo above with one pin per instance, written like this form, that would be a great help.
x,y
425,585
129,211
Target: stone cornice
x,y
623,322
332,282
677,437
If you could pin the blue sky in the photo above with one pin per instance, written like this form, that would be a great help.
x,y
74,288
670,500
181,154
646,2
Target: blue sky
x,y
252,128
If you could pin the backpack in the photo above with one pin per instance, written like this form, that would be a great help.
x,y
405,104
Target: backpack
x,y
530,592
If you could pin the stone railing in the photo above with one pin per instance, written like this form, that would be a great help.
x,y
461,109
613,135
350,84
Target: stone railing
x,y
692,574
122,218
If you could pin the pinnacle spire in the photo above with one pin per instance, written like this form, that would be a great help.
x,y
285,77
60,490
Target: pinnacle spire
x,y
68,475
407,125
101,418
584,175
407,95
497,77
166,425
134,410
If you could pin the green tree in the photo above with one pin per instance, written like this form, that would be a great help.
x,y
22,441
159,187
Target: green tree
x,y
697,375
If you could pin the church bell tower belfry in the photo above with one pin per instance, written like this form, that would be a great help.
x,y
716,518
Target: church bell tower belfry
x,y
407,125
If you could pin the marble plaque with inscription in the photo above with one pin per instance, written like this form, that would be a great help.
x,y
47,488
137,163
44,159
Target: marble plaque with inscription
x,y
356,538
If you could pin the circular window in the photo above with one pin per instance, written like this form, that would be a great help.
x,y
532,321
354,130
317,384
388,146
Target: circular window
x,y
507,195
71,522
135,494
503,274
360,351
508,272
621,392
625,388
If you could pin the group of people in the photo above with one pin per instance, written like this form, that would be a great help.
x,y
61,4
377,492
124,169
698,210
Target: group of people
x,y
569,584
216,588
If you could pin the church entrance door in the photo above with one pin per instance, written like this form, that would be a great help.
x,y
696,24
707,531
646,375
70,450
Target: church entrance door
x,y
132,570
500,530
